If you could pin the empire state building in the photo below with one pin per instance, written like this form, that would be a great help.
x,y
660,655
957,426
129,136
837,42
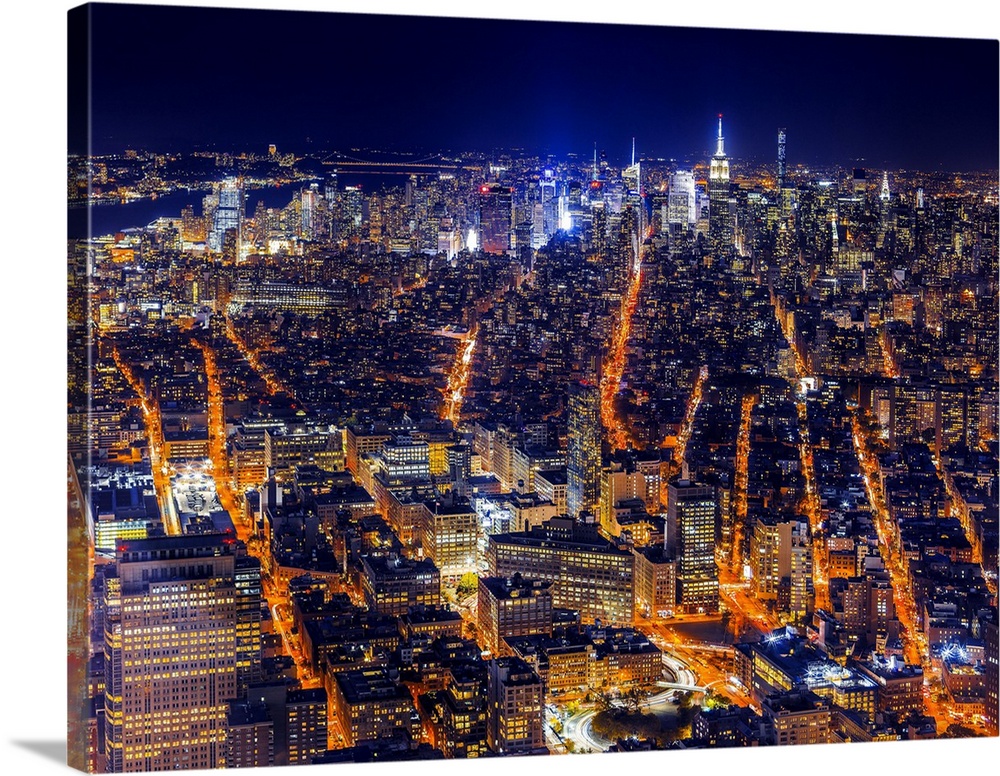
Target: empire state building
x,y
720,217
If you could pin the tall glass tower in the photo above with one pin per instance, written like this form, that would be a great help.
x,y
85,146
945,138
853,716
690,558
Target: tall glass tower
x,y
583,464
229,213
494,218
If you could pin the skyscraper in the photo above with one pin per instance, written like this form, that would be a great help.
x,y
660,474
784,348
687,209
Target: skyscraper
x,y
632,175
720,220
248,639
583,467
786,193
598,234
682,205
494,218
781,159
170,653
229,213
692,511
310,203
632,182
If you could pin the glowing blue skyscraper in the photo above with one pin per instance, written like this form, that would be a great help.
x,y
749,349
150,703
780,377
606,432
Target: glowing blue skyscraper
x,y
229,213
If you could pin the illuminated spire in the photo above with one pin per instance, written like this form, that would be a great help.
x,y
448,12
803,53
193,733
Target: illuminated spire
x,y
884,195
719,165
595,160
633,152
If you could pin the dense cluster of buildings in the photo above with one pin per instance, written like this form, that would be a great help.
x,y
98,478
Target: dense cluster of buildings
x,y
352,492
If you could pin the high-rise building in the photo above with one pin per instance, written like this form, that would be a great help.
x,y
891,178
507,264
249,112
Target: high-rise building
x,y
781,159
990,674
393,584
369,704
248,640
286,448
458,714
590,575
655,582
770,555
228,216
682,200
513,606
308,221
632,175
170,653
800,577
781,560
352,212
550,485
583,460
870,610
632,183
798,717
720,219
550,208
306,728
250,738
515,708
458,459
692,517
627,476
618,484
597,236
495,215
787,194
450,536
528,461
899,686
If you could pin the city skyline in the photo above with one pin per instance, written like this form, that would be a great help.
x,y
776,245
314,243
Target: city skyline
x,y
860,97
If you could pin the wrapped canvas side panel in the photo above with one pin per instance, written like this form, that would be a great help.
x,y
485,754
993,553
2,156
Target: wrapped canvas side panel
x,y
81,719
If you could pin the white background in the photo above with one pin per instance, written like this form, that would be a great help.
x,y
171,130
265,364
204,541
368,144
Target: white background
x,y
32,369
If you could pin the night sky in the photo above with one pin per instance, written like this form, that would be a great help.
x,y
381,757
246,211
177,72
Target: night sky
x,y
177,78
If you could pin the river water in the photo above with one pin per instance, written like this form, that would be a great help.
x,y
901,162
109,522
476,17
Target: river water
x,y
108,219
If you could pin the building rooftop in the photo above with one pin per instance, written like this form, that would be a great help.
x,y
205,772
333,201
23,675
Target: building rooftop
x,y
795,701
242,713
514,587
370,684
552,476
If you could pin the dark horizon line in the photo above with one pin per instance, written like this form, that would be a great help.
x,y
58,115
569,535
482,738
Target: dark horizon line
x,y
309,149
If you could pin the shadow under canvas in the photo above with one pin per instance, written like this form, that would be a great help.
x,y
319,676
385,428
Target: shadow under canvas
x,y
51,750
